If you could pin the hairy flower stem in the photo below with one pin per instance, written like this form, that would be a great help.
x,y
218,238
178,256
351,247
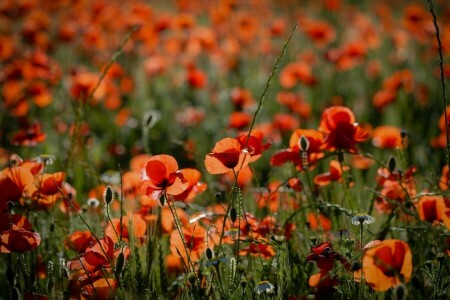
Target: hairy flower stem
x,y
173,210
360,294
441,67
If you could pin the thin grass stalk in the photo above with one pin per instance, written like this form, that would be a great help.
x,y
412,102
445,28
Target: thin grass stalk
x,y
80,115
269,80
441,67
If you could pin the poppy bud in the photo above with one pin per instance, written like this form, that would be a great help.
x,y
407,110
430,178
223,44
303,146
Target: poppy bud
x,y
209,253
119,264
108,195
243,282
400,292
219,196
303,143
403,134
392,164
440,257
233,214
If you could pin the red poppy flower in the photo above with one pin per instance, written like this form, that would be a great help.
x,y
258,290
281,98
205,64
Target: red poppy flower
x,y
387,264
196,77
324,256
79,240
241,98
239,120
102,288
195,237
195,187
15,182
6,220
319,221
434,208
444,179
227,155
294,72
320,32
255,143
387,137
29,137
342,133
18,240
139,228
161,175
335,174
258,246
314,140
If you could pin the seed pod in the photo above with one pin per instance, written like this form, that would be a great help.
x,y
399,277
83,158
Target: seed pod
x,y
303,143
119,264
233,214
209,253
108,195
392,163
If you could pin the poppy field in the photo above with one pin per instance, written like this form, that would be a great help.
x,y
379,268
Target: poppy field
x,y
225,149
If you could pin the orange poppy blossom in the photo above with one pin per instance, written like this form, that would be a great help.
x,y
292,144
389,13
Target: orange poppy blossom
x,y
294,72
96,257
30,137
15,182
239,120
242,99
48,186
83,84
195,187
161,175
254,144
391,188
335,174
285,122
319,221
386,264
16,236
295,102
293,154
387,137
79,240
434,208
138,229
444,179
244,178
320,32
258,246
195,237
324,281
441,141
228,154
275,198
341,130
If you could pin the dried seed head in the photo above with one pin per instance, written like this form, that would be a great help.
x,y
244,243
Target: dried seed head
x,y
93,203
264,287
362,218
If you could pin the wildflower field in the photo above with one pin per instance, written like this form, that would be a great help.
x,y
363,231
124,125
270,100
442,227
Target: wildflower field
x,y
224,149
